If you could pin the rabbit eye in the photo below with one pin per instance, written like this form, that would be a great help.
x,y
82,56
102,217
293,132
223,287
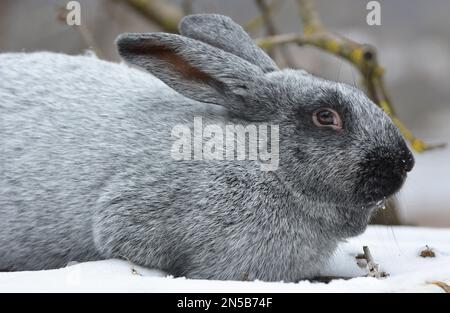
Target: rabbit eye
x,y
326,117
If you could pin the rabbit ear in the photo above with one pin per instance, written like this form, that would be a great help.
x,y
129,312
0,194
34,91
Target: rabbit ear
x,y
196,70
222,32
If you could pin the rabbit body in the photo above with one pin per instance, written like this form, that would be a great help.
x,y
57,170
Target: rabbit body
x,y
87,172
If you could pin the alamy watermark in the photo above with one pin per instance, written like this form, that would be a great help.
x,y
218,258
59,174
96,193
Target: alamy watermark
x,y
374,16
73,17
230,142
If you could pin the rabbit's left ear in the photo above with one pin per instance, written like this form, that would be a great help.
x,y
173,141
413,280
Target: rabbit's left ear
x,y
222,32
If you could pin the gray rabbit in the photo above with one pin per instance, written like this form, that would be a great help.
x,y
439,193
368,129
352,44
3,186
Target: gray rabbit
x,y
87,172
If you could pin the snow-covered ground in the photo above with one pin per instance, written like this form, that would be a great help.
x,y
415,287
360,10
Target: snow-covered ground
x,y
396,249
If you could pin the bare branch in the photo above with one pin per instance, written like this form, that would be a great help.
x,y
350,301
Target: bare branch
x,y
369,263
187,6
258,22
267,21
310,17
442,285
266,17
271,30
160,12
84,31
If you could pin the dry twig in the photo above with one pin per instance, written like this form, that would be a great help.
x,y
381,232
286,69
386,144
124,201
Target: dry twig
x,y
187,6
133,270
258,22
442,285
373,268
160,12
271,30
84,31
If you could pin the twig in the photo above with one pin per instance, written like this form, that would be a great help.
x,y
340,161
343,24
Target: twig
x,y
267,21
310,17
442,285
85,33
160,12
132,268
271,30
88,38
258,22
373,268
187,6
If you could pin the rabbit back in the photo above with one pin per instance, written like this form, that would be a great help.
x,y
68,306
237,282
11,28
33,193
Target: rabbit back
x,y
69,124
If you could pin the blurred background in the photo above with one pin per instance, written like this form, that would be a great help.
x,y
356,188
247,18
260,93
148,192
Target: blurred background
x,y
413,43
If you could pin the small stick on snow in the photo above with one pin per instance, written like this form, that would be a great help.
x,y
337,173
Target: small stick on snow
x,y
374,268
132,268
442,285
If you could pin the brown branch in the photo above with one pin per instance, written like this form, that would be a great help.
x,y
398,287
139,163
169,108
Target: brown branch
x,y
442,285
84,31
160,12
187,6
258,22
89,40
310,17
362,56
267,21
271,30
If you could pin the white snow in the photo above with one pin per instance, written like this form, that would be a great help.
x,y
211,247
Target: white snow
x,y
396,249
425,198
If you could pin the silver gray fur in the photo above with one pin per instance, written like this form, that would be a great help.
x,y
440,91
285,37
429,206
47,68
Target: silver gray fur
x,y
86,172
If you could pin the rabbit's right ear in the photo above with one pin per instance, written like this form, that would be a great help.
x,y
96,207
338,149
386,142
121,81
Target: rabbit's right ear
x,y
198,71
222,32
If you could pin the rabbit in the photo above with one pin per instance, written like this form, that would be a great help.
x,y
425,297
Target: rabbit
x,y
87,172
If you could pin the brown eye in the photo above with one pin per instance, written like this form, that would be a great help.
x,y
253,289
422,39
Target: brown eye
x,y
327,118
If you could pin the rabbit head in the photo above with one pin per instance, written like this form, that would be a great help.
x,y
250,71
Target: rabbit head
x,y
337,148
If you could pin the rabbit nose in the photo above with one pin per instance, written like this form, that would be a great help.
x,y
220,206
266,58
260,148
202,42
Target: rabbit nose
x,y
407,160
396,161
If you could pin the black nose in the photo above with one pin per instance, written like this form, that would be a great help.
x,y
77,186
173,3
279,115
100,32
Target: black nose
x,y
407,160
399,160
384,160
383,171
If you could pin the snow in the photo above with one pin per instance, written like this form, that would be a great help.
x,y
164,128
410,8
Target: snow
x,y
424,200
396,249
